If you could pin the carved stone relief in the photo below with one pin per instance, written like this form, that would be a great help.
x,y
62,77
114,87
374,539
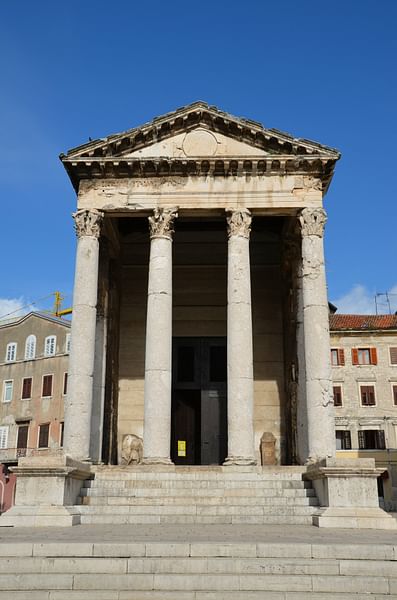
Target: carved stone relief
x,y
312,221
238,222
161,222
132,449
88,222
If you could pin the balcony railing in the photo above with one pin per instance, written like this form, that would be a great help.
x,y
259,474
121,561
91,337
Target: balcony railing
x,y
13,454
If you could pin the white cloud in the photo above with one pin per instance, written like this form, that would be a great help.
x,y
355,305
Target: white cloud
x,y
15,306
360,300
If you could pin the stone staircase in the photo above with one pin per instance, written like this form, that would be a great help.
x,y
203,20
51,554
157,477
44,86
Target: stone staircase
x,y
197,571
183,495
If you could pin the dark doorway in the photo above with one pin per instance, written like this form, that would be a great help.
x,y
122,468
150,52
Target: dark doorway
x,y
199,404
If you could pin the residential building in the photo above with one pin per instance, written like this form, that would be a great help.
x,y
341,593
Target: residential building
x,y
34,351
364,375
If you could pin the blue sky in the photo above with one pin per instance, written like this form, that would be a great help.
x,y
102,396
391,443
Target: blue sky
x,y
323,71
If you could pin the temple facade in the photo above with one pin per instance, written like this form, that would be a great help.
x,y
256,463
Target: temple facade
x,y
200,333
200,298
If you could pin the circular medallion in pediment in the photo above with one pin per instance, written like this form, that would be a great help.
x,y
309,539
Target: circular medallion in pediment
x,y
200,142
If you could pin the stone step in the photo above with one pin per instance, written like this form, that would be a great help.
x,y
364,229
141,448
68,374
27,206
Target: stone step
x,y
98,489
113,500
192,483
197,477
198,509
197,571
122,519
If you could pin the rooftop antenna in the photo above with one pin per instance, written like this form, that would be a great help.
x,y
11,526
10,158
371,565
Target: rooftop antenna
x,y
385,302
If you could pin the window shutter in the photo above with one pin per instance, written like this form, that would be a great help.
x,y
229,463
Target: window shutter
x,y
341,356
374,356
3,437
347,440
27,388
43,436
393,355
371,395
22,439
354,356
47,385
361,440
380,435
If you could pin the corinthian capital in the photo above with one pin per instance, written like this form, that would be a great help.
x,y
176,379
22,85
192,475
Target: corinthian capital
x,y
238,222
161,222
312,221
88,222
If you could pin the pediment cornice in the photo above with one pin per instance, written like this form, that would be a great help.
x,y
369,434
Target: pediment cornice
x,y
114,155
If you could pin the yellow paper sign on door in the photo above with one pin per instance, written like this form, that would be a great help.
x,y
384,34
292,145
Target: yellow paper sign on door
x,y
181,448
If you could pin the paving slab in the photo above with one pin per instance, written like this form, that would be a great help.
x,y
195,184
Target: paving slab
x,y
190,533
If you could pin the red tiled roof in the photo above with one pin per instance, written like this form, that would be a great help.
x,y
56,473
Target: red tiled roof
x,y
342,322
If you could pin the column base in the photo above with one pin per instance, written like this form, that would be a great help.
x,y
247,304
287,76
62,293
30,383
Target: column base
x,y
40,516
348,492
241,461
156,460
355,518
47,489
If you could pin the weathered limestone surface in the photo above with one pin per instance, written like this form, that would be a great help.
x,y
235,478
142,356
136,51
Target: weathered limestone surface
x,y
348,489
158,354
316,431
240,378
262,193
214,563
78,404
47,490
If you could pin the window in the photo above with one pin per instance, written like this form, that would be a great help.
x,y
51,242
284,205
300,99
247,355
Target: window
x,y
26,388
50,345
371,439
3,437
65,384
47,386
44,431
67,345
337,357
11,352
337,395
30,347
364,356
62,426
7,390
367,393
22,438
393,355
343,440
394,391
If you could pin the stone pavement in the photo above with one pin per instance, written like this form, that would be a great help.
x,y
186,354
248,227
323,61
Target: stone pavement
x,y
291,534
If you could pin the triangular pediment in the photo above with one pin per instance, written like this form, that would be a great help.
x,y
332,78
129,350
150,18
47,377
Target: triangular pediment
x,y
199,130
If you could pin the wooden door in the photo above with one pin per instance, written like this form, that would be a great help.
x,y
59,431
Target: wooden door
x,y
199,405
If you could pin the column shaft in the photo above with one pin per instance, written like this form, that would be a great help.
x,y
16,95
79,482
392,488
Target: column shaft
x,y
158,354
78,402
315,323
240,385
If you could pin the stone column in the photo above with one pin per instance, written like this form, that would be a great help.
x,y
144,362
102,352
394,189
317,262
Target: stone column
x,y
78,403
240,380
158,353
320,426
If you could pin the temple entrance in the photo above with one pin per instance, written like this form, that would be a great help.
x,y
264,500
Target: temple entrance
x,y
199,403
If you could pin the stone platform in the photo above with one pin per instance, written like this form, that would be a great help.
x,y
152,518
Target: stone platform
x,y
197,562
